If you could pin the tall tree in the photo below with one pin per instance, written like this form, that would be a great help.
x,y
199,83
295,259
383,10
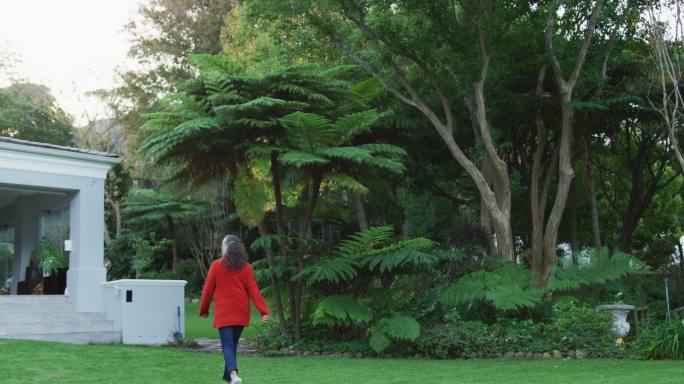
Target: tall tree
x,y
548,259
29,111
428,57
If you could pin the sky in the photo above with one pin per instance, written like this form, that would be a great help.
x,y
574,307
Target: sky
x,y
71,46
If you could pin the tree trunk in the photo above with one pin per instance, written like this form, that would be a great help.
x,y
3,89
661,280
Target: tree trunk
x,y
280,228
591,192
566,172
574,239
305,234
174,245
275,286
565,177
361,218
538,198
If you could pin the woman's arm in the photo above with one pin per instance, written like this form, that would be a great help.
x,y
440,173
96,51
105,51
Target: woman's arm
x,y
254,293
207,292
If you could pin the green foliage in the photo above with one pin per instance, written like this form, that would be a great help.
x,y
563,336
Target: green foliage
x,y
152,206
395,327
251,197
316,141
506,287
360,243
29,112
329,270
340,310
50,257
144,254
572,327
6,261
402,254
598,269
664,340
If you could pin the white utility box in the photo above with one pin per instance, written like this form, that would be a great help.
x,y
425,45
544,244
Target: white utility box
x,y
146,311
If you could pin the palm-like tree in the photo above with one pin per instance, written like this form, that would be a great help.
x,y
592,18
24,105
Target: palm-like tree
x,y
222,122
330,151
208,129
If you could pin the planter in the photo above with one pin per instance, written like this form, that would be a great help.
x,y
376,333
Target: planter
x,y
620,312
55,285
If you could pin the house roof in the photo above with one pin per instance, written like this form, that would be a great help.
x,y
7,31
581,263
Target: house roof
x,y
44,147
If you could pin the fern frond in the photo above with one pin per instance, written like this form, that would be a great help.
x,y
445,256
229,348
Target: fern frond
x,y
353,154
341,310
329,270
300,159
397,327
353,124
360,243
600,268
346,181
385,149
507,287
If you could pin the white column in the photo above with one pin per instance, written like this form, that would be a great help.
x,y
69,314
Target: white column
x,y
86,260
25,238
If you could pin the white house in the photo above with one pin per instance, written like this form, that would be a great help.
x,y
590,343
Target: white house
x,y
36,179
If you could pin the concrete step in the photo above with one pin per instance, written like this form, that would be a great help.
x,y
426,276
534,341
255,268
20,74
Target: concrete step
x,y
33,307
48,326
52,318
21,317
32,298
105,337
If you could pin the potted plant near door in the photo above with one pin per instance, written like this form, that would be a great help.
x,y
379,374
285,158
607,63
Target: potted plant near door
x,y
53,262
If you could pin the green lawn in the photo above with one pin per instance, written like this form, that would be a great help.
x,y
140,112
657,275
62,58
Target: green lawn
x,y
197,327
23,362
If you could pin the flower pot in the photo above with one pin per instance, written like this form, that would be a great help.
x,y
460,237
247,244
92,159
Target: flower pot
x,y
620,312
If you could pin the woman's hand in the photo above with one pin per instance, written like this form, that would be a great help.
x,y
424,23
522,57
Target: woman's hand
x,y
204,315
265,318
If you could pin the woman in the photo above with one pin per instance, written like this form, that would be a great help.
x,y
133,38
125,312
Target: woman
x,y
230,282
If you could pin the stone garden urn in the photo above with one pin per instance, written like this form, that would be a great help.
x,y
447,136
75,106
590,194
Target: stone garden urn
x,y
620,312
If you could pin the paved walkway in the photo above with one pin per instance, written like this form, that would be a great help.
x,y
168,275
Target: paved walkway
x,y
214,345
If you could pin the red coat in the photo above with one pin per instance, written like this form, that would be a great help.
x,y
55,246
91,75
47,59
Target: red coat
x,y
231,291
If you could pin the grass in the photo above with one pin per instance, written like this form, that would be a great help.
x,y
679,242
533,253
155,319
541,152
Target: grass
x,y
24,362
198,327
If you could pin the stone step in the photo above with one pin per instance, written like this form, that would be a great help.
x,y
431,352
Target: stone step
x,y
49,326
33,307
105,337
33,299
21,317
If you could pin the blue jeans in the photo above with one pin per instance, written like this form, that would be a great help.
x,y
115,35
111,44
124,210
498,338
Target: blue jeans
x,y
229,343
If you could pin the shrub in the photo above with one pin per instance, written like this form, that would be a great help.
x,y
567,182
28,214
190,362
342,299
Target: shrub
x,y
573,327
663,341
582,327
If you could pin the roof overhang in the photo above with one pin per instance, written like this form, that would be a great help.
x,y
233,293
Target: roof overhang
x,y
37,157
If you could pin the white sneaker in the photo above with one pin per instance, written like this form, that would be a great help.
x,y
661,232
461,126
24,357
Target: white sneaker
x,y
236,380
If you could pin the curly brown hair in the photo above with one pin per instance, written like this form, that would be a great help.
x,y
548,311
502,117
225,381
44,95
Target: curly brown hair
x,y
233,253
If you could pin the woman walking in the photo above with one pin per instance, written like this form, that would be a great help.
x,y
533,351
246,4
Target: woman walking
x,y
230,282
